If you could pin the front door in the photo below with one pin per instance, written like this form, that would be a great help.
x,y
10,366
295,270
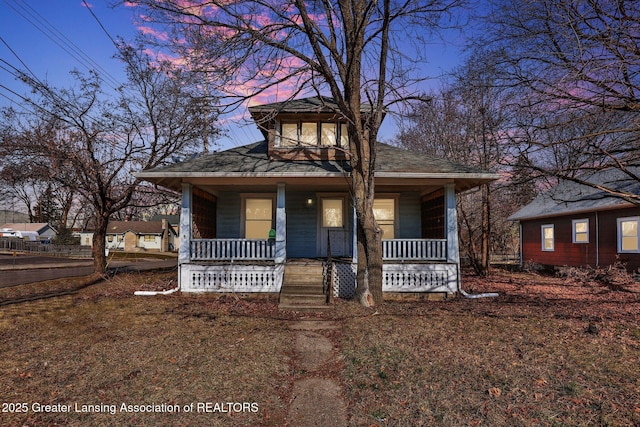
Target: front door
x,y
332,228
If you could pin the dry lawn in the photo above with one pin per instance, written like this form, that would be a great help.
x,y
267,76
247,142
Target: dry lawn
x,y
546,352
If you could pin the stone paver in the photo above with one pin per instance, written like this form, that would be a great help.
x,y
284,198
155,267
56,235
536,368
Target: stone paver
x,y
316,401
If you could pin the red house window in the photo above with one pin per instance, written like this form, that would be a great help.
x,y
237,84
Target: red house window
x,y
548,239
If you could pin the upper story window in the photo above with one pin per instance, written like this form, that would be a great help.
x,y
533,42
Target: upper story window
x,y
312,134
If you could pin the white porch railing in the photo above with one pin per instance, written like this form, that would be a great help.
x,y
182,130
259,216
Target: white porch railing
x,y
415,249
232,249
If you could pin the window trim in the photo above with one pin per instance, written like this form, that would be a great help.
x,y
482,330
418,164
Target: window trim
x,y
553,237
338,128
243,211
574,233
396,211
619,221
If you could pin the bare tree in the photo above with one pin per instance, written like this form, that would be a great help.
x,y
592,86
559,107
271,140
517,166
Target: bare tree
x,y
356,50
95,143
575,66
464,122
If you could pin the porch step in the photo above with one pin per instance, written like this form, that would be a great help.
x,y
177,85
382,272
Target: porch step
x,y
302,287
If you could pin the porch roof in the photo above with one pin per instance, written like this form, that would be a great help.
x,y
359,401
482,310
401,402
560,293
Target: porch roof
x,y
252,161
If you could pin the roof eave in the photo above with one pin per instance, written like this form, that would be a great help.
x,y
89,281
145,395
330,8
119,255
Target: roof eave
x,y
571,212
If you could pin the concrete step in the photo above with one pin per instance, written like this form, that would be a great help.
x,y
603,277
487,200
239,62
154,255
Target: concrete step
x,y
303,289
302,280
310,269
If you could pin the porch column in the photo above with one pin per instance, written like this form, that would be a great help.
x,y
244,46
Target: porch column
x,y
281,226
354,245
185,224
451,221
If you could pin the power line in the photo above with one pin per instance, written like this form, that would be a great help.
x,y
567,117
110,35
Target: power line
x,y
58,38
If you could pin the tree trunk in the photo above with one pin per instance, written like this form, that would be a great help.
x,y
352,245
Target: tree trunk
x,y
485,232
369,270
99,238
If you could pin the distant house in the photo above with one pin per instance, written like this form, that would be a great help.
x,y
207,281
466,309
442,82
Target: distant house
x,y
43,230
276,215
577,225
132,236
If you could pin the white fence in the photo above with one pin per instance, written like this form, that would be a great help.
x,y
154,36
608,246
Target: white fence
x,y
415,249
232,249
231,278
441,277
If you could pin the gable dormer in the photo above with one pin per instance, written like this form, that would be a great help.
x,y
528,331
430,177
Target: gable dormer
x,y
303,129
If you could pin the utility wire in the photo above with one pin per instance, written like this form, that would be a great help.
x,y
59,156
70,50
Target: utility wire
x,y
58,38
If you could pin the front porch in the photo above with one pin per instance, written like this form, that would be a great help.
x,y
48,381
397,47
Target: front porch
x,y
306,226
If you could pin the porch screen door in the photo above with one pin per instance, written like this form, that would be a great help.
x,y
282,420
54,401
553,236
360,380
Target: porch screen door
x,y
332,227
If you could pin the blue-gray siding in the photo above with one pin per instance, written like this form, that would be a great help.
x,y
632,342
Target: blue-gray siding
x,y
302,220
409,216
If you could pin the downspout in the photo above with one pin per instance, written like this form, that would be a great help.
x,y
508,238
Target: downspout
x,y
154,293
453,253
472,296
597,241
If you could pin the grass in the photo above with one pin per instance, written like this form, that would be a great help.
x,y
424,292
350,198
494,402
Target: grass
x,y
531,357
91,349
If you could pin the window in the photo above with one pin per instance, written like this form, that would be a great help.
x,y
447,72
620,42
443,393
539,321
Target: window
x,y
344,136
309,133
110,238
323,134
628,234
385,214
258,218
149,238
580,230
289,134
332,216
328,134
547,238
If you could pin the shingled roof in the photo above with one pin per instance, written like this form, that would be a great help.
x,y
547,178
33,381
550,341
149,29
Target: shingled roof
x,y
253,161
314,104
569,197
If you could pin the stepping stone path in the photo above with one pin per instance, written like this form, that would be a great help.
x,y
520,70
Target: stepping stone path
x,y
316,401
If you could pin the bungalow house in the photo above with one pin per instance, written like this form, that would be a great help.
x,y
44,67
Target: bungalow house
x,y
267,216
134,236
577,225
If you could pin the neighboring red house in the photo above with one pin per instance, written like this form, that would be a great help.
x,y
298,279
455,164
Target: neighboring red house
x,y
580,226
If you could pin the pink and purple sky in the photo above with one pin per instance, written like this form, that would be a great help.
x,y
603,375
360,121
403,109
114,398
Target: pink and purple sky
x,y
52,37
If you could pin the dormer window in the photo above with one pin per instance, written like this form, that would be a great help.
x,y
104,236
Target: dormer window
x,y
312,134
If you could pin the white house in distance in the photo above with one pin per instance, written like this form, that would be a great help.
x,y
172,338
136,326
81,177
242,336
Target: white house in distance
x,y
267,216
136,236
27,230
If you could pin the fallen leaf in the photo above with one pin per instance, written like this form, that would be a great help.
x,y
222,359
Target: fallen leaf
x,y
541,382
495,392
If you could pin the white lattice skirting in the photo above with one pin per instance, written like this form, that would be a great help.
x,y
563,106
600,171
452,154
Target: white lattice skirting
x,y
399,278
231,278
